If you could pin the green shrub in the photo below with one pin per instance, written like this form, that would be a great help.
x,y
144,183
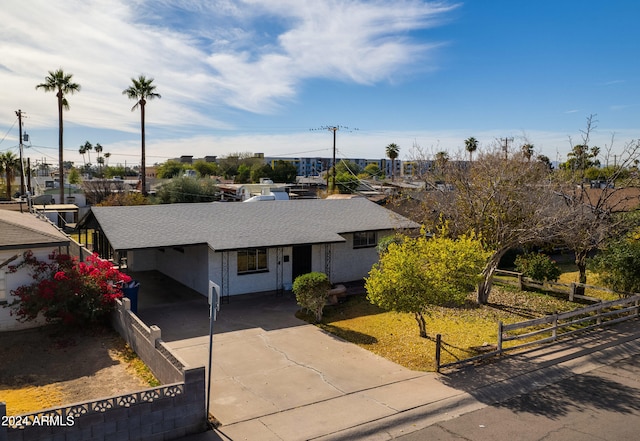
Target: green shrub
x,y
311,292
617,265
537,266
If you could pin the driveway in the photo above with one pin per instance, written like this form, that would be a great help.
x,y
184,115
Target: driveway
x,y
265,360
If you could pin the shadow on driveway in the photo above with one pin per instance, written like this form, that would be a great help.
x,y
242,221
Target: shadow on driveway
x,y
182,313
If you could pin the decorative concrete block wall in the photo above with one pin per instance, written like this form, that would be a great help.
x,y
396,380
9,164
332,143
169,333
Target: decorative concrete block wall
x,y
166,412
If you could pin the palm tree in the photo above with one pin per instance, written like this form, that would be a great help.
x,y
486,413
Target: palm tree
x,y
141,91
98,149
392,151
61,83
82,150
85,149
471,145
9,163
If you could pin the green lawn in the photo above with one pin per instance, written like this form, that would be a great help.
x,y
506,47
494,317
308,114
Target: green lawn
x,y
395,336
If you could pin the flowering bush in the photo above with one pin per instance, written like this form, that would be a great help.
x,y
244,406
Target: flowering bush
x,y
75,293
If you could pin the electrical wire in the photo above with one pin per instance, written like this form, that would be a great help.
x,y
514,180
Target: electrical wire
x,y
10,128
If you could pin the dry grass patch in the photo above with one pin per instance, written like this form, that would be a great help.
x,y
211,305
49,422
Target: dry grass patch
x,y
395,336
27,399
46,367
570,274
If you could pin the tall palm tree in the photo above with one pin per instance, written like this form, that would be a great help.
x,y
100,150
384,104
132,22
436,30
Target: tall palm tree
x,y
471,144
82,150
9,163
85,149
392,151
142,90
61,83
100,160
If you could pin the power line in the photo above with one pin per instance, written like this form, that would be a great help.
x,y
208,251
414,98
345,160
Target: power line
x,y
333,129
8,131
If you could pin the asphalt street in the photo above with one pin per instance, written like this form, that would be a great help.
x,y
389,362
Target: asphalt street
x,y
603,404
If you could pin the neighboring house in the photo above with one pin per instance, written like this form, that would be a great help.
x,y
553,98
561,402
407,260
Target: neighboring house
x,y
244,192
21,232
246,248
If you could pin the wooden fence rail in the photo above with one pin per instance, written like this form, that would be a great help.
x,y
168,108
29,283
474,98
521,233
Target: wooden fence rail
x,y
513,278
553,327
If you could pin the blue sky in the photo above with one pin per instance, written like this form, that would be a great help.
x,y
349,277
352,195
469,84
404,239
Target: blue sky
x,y
257,75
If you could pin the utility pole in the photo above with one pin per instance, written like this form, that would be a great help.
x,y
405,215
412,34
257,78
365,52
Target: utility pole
x,y
19,114
333,129
506,146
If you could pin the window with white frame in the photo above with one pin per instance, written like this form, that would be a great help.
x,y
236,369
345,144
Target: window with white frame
x,y
364,239
252,260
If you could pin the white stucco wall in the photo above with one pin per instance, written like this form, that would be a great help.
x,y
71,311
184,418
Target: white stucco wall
x,y
348,263
142,260
188,267
269,280
12,281
199,264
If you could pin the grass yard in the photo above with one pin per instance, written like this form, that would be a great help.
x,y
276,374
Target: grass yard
x,y
395,336
570,274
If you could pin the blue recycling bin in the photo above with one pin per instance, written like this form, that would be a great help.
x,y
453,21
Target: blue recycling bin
x,y
130,291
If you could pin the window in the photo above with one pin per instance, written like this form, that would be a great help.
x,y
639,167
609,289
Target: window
x,y
252,260
364,239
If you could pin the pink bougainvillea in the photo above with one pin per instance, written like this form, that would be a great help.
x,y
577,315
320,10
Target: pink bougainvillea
x,y
68,291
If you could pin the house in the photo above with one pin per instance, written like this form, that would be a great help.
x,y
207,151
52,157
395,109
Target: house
x,y
21,232
246,248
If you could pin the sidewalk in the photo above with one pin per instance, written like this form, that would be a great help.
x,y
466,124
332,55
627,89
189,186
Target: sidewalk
x,y
404,406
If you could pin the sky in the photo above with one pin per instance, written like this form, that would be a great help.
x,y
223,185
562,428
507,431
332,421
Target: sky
x,y
270,76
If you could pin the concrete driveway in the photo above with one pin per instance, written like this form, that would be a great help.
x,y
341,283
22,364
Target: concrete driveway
x,y
265,360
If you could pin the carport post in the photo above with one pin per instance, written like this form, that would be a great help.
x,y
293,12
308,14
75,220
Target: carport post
x,y
214,307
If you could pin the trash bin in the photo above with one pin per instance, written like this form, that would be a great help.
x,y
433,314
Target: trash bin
x,y
130,291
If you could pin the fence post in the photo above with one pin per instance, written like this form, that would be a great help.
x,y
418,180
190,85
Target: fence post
x,y
155,334
572,292
520,285
637,308
599,316
499,344
555,325
438,343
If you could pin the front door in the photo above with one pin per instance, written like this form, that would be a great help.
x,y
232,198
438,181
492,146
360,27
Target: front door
x,y
301,260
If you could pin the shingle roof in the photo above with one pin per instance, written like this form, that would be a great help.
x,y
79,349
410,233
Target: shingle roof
x,y
24,230
234,225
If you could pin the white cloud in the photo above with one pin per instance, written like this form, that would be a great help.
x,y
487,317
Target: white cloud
x,y
204,55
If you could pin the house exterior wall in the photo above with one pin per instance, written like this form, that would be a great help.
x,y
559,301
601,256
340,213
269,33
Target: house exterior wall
x,y
348,263
142,260
198,264
188,267
12,281
343,262
223,269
